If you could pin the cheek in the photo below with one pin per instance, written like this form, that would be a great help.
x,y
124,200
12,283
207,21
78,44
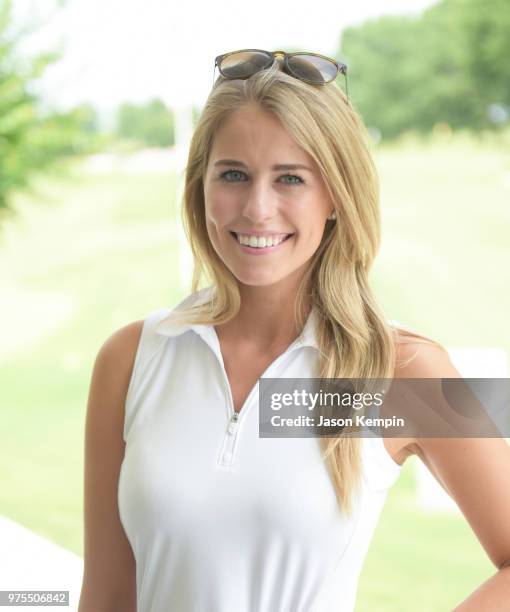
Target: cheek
x,y
219,210
312,221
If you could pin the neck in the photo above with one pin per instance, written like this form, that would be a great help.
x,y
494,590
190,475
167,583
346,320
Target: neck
x,y
265,320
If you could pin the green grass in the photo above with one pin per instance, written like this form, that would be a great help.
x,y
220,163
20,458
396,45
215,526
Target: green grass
x,y
91,253
425,562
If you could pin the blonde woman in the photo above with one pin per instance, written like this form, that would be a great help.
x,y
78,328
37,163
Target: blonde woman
x,y
187,509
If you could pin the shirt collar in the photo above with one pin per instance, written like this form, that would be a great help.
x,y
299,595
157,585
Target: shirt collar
x,y
165,327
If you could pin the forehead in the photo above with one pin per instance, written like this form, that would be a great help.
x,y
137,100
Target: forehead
x,y
255,131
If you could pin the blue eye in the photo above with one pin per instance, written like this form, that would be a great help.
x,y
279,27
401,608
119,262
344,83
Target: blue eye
x,y
229,172
300,180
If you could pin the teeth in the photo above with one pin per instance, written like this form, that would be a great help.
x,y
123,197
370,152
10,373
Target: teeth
x,y
260,242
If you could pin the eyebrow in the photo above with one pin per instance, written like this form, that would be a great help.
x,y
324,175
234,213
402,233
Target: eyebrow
x,y
240,164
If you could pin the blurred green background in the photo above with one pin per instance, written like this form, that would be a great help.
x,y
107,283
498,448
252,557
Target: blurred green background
x,y
93,252
86,248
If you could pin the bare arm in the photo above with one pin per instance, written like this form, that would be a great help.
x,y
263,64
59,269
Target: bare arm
x,y
476,474
109,578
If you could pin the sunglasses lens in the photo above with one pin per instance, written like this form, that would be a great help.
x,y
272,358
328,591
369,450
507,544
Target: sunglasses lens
x,y
243,64
312,68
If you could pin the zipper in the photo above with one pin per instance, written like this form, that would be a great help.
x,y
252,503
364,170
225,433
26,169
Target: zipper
x,y
227,453
232,425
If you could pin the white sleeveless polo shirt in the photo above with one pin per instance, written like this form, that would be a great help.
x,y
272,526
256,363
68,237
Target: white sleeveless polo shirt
x,y
219,519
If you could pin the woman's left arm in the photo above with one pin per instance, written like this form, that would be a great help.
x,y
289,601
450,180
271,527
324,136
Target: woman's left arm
x,y
476,474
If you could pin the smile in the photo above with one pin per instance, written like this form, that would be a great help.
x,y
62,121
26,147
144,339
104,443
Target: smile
x,y
260,244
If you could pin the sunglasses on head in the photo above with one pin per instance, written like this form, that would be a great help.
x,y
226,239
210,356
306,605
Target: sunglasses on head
x,y
308,67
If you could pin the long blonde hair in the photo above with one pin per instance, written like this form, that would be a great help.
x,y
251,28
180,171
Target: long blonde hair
x,y
354,338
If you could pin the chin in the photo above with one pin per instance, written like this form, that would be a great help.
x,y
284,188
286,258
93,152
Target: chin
x,y
257,281
260,278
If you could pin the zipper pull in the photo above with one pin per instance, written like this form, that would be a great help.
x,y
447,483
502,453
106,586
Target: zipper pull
x,y
232,424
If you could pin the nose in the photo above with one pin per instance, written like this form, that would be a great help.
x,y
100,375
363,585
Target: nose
x,y
261,203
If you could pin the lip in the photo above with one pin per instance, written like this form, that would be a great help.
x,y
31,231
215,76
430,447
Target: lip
x,y
258,233
260,251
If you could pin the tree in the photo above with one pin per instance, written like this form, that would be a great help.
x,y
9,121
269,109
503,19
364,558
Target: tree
x,y
151,124
30,140
447,65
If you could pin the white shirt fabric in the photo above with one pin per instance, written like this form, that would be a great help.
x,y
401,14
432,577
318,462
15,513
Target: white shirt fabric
x,y
219,519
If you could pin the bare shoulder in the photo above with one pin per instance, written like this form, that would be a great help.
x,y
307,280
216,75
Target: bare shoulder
x,y
112,372
113,367
417,356
121,345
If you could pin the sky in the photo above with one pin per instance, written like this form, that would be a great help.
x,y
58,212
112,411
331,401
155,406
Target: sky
x,y
133,50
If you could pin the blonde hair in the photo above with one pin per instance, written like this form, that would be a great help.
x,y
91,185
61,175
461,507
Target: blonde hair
x,y
354,338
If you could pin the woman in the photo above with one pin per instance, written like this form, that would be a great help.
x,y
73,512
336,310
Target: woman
x,y
186,507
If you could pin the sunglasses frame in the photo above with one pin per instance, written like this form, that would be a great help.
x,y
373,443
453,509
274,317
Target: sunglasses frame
x,y
271,55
